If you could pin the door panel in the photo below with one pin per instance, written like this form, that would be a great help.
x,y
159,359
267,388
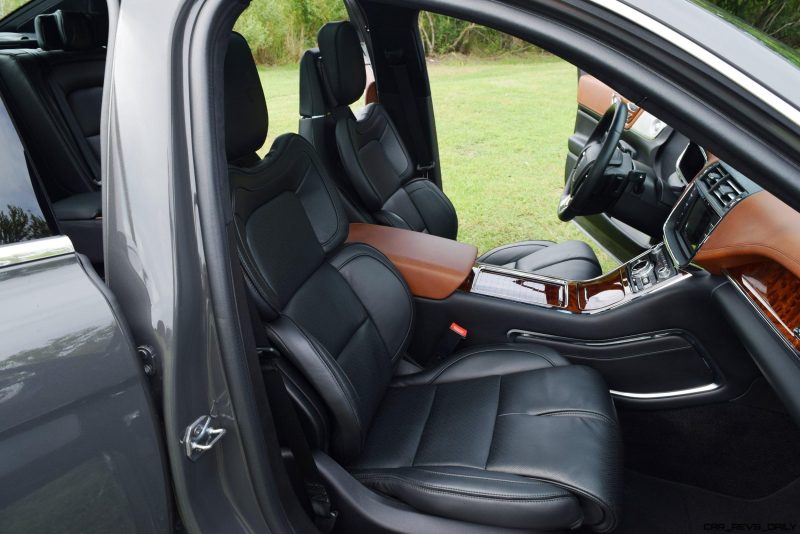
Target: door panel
x,y
79,444
635,221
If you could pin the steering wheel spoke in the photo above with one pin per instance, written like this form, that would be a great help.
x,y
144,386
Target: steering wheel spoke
x,y
588,176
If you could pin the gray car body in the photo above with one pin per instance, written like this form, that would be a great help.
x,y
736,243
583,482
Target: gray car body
x,y
73,399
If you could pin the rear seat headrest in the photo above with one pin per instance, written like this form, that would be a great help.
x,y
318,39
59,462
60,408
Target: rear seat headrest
x,y
68,30
246,118
47,32
342,62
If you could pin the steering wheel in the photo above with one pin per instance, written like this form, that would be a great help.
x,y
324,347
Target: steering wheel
x,y
587,177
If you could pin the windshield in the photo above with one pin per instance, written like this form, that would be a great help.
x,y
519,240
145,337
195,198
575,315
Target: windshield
x,y
7,6
776,23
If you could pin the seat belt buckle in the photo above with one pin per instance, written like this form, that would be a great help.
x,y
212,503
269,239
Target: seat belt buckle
x,y
450,339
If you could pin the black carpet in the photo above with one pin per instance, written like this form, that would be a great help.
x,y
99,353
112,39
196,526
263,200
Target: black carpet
x,y
657,506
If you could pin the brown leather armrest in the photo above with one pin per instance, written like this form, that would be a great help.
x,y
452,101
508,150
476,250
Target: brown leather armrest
x,y
433,267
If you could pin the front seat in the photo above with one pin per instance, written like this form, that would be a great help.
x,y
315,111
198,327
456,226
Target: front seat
x,y
383,174
503,436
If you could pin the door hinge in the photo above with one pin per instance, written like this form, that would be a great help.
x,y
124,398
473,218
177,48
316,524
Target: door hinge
x,y
201,436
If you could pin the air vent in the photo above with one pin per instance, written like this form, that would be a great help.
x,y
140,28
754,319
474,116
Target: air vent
x,y
722,187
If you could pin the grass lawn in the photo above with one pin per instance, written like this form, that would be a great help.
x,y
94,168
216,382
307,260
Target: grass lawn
x,y
502,128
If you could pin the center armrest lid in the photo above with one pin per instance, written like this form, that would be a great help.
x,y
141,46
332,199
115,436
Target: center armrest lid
x,y
433,267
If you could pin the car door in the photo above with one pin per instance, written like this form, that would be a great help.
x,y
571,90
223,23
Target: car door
x,y
635,221
80,445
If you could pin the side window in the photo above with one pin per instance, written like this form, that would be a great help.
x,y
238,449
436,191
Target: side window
x,y
505,110
21,217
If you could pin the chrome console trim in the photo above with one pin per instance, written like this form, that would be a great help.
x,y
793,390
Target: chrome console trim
x,y
666,394
35,249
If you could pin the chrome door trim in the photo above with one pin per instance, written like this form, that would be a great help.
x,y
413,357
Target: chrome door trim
x,y
35,249
698,52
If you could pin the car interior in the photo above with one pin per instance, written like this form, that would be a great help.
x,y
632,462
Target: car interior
x,y
523,390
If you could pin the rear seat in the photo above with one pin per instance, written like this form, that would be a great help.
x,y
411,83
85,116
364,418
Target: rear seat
x,y
54,94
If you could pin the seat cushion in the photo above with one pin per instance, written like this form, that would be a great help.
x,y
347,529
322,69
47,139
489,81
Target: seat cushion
x,y
503,436
570,260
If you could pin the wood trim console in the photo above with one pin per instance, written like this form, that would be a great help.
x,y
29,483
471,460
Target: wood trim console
x,y
589,296
432,266
775,291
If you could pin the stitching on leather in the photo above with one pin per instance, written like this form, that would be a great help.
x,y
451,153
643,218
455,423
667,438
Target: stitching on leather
x,y
530,482
494,421
357,158
391,270
337,377
461,492
562,413
425,424
469,354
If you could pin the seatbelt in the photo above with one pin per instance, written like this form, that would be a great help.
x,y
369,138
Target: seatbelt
x,y
407,100
290,432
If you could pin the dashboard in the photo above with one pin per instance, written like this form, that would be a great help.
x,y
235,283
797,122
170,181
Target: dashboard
x,y
725,223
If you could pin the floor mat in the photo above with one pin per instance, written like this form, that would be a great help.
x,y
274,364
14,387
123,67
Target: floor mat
x,y
656,506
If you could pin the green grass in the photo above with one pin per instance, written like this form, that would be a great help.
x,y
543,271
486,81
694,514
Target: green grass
x,y
503,127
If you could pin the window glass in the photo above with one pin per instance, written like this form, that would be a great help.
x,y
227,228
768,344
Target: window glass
x,y
8,6
21,217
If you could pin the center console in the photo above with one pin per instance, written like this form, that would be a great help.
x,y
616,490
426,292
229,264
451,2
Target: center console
x,y
645,273
706,200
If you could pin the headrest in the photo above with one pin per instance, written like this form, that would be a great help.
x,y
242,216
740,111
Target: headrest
x,y
312,92
68,30
342,62
47,32
246,118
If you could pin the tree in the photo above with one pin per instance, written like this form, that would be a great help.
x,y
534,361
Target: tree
x,y
18,225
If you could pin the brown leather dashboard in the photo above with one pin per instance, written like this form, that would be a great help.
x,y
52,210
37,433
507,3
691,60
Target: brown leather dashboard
x,y
758,245
759,228
433,267
597,96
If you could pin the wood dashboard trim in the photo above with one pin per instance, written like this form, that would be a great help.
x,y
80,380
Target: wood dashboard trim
x,y
758,228
433,267
775,291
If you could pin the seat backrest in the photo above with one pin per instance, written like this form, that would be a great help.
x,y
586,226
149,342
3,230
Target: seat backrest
x,y
55,95
371,151
340,313
317,126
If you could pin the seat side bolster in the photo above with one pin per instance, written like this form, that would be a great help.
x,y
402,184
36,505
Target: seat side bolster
x,y
320,369
486,361
434,207
497,499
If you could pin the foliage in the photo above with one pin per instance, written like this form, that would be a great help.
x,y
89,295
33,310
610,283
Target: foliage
x,y
7,6
779,19
444,35
279,31
18,225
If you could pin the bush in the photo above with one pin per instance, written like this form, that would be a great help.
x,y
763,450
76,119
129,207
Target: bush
x,y
280,31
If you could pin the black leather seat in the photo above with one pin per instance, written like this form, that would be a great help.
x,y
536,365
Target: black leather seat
x,y
382,172
504,436
55,95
